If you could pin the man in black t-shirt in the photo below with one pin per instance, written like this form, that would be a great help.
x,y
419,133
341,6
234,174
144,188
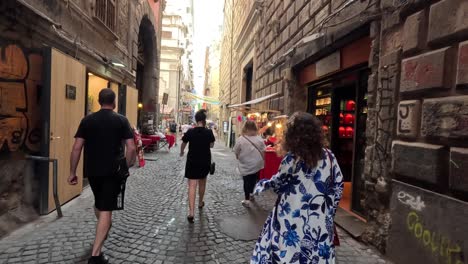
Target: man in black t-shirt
x,y
104,136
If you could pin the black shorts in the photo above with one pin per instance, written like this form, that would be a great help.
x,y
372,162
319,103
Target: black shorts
x,y
108,193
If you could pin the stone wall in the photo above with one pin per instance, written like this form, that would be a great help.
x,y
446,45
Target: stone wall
x,y
433,107
424,49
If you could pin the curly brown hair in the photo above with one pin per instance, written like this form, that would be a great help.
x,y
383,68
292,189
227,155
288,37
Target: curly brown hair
x,y
304,138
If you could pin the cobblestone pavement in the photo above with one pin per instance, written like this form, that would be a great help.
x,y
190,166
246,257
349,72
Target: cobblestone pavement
x,y
153,227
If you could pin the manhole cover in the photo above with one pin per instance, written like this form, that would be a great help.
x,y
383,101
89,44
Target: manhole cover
x,y
244,227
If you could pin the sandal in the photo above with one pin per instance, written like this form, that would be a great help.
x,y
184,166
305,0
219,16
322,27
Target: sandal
x,y
190,219
200,206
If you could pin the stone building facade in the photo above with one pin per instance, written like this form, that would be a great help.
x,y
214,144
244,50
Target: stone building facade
x,y
237,55
45,44
211,82
176,68
408,62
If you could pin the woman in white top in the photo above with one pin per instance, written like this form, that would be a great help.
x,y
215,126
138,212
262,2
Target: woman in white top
x,y
249,151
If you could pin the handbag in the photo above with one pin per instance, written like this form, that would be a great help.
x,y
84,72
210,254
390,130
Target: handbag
x,y
336,239
212,168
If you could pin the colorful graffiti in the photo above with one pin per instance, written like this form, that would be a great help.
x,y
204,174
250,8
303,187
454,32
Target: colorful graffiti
x,y
441,247
20,88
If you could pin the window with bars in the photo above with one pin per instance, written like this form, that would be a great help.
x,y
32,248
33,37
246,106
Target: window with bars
x,y
106,12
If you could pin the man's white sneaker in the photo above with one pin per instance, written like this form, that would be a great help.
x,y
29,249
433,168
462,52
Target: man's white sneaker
x,y
246,203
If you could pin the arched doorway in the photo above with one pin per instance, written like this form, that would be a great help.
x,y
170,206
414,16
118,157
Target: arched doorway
x,y
146,77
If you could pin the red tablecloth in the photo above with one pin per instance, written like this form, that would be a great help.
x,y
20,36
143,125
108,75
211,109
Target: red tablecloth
x,y
272,163
154,139
146,142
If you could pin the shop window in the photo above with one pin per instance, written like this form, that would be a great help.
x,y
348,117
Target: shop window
x,y
167,34
95,85
340,103
248,74
106,12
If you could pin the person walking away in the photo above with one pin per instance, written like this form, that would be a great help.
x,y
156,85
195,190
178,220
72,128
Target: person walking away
x,y
103,135
173,130
173,127
309,184
250,152
200,139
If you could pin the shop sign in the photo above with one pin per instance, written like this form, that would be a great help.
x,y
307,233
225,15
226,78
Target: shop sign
x,y
165,98
329,64
186,110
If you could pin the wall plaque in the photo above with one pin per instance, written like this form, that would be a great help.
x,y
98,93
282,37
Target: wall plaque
x,y
70,92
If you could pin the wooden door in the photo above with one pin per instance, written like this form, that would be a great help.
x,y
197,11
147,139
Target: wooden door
x,y
115,88
65,89
132,106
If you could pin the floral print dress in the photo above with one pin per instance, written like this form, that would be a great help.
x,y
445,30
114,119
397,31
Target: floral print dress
x,y
300,227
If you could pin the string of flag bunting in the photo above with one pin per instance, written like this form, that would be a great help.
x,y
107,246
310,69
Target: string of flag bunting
x,y
203,99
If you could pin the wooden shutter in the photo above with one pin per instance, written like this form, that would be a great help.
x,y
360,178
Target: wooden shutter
x,y
101,10
111,14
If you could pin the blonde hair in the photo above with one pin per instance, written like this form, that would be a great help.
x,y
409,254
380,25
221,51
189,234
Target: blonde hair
x,y
249,126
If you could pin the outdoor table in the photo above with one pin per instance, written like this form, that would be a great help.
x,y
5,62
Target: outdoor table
x,y
153,144
146,142
154,139
272,163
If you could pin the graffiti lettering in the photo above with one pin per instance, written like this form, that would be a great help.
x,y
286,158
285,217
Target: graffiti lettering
x,y
20,82
440,246
414,203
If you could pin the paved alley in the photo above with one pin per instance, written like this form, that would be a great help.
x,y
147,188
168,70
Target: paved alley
x,y
153,227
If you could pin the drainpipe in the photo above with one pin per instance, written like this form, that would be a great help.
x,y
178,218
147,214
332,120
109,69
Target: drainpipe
x,y
179,69
230,73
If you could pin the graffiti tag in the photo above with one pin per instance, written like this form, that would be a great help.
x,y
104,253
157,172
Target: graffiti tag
x,y
414,203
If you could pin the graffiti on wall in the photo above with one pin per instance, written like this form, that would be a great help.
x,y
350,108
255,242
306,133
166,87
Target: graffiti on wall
x,y
426,227
438,244
414,202
20,87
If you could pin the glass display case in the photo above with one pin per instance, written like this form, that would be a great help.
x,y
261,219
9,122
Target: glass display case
x,y
322,103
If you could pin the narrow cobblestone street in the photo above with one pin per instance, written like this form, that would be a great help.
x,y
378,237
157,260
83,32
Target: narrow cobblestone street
x,y
153,227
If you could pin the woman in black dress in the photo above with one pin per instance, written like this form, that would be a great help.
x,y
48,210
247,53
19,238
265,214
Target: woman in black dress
x,y
200,140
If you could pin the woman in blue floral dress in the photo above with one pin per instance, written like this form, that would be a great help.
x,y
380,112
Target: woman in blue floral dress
x,y
309,185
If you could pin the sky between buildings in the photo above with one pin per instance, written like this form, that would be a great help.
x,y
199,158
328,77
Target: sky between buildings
x,y
208,16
